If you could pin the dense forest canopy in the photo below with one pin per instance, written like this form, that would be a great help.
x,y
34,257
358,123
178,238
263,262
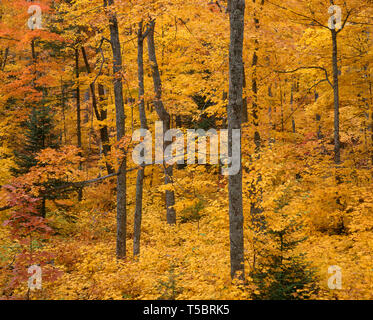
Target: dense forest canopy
x,y
154,149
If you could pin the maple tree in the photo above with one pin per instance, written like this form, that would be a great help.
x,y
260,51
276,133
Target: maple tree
x,y
295,77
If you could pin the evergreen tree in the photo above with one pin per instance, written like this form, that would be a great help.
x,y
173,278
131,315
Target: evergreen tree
x,y
282,274
38,136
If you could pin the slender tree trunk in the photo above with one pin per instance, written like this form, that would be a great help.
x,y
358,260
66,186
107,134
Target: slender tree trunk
x,y
104,130
144,125
101,115
282,98
292,107
165,118
270,121
255,191
337,144
254,89
254,83
236,17
4,60
371,118
318,120
63,110
120,124
78,105
78,115
42,204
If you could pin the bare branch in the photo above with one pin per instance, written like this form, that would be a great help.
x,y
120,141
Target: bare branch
x,y
345,20
299,14
310,67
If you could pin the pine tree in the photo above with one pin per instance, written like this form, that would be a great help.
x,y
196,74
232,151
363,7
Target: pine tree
x,y
38,136
282,274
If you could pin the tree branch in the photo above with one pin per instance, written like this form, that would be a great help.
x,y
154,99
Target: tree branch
x,y
311,67
345,21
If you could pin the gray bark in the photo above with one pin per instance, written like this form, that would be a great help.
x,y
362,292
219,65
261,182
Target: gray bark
x,y
165,118
42,203
254,84
292,108
144,125
101,114
78,115
337,144
255,191
236,17
120,124
371,119
78,105
318,120
4,59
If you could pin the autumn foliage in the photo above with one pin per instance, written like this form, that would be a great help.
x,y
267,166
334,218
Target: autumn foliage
x,y
304,209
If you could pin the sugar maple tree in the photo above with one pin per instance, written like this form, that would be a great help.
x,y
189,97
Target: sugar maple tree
x,y
107,68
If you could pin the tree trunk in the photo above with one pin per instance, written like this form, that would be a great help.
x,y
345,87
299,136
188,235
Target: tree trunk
x,y
101,115
292,108
78,115
4,60
236,17
63,111
254,83
77,92
255,191
318,120
120,124
371,118
165,118
337,144
42,203
144,125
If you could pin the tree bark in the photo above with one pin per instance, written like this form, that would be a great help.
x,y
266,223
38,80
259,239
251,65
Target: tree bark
x,y
120,125
144,125
371,119
292,107
100,113
165,118
78,105
42,203
255,191
4,60
236,18
254,84
78,115
337,144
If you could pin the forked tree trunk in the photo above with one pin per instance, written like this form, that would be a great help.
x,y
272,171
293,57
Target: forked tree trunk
x,y
236,18
165,118
120,124
100,113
